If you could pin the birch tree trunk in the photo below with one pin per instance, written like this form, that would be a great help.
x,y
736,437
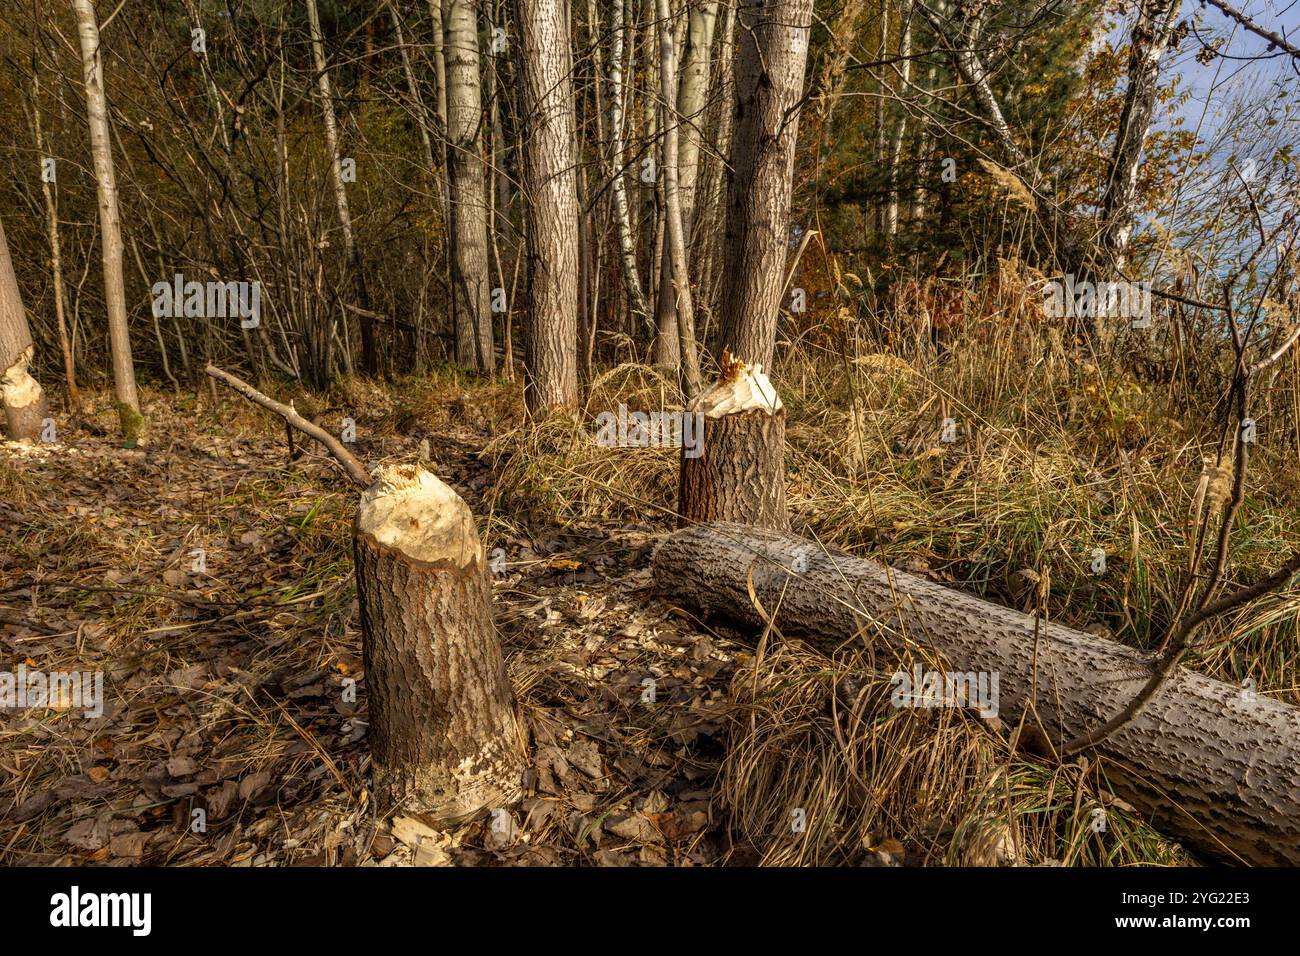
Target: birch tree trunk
x,y
622,216
110,225
24,402
1150,38
773,39
710,207
900,127
675,281
1203,761
689,96
618,150
550,186
692,96
440,104
471,287
369,361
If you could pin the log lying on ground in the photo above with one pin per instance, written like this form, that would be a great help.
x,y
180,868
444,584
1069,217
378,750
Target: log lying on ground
x,y
737,472
1206,763
444,736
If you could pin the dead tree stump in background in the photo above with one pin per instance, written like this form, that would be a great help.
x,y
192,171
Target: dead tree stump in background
x,y
444,736
738,474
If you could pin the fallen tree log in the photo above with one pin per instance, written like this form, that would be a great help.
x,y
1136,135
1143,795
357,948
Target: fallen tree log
x,y
1205,762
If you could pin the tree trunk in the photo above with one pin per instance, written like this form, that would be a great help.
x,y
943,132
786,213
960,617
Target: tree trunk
x,y
900,126
369,359
444,736
471,287
20,393
1203,761
682,130
773,38
440,100
110,225
550,190
1151,34
738,470
675,278
56,253
693,89
626,240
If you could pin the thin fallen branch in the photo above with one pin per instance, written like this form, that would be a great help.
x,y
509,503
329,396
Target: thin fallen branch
x,y
351,464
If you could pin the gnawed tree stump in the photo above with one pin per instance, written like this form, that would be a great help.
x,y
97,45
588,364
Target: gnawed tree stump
x,y
25,408
444,736
1205,761
738,472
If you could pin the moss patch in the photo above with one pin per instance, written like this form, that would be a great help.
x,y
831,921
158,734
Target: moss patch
x,y
132,424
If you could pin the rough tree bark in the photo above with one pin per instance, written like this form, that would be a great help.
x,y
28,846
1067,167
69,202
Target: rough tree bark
x,y
110,224
466,183
773,39
740,475
20,393
1205,762
444,736
551,200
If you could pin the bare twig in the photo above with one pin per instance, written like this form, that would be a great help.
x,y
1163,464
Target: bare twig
x,y
351,464
1270,35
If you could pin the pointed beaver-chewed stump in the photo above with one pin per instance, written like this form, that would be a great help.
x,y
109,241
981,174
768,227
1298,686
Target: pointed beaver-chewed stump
x,y
737,472
444,735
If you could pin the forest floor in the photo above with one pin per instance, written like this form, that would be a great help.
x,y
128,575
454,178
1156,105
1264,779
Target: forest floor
x,y
226,686
234,726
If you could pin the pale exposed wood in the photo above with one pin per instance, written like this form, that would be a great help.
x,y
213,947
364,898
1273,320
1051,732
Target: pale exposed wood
x,y
444,735
20,393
